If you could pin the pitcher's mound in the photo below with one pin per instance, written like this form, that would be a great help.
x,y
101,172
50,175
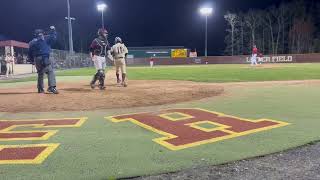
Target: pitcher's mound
x,y
80,97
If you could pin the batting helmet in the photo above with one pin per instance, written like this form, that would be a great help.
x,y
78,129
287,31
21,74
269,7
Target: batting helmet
x,y
118,40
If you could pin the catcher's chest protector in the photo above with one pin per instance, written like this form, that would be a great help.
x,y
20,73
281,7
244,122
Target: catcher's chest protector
x,y
101,48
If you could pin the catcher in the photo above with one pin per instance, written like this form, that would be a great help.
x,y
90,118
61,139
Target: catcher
x,y
119,52
99,51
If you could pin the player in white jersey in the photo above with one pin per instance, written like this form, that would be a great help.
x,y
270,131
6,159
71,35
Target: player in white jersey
x,y
119,52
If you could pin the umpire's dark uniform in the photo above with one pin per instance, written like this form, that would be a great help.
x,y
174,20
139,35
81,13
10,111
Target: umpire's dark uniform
x,y
39,53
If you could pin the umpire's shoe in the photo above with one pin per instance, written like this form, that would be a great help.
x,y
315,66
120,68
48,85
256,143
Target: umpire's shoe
x,y
53,90
40,90
92,85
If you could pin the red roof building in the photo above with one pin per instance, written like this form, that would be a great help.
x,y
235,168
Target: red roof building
x,y
16,44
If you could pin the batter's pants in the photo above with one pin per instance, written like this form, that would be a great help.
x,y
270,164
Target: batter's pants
x,y
120,65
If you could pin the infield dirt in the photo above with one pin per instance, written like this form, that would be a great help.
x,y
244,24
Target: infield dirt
x,y
80,97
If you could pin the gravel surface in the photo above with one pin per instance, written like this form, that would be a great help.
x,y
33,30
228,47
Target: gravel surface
x,y
302,163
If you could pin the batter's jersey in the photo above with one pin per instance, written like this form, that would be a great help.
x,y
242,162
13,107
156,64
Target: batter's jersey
x,y
119,51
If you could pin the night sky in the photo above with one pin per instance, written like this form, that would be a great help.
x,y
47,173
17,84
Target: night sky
x,y
137,22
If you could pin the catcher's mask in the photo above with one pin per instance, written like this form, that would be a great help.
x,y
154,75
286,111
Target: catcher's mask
x,y
103,32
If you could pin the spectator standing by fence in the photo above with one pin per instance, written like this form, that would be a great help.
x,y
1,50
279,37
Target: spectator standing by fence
x,y
1,61
9,64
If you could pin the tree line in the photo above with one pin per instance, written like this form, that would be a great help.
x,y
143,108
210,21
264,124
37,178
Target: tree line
x,y
288,28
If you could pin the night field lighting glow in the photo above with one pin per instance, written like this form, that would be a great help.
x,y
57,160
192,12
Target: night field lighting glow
x,y
206,11
101,7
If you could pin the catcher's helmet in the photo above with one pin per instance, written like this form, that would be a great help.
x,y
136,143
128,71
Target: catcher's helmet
x,y
38,32
118,40
102,32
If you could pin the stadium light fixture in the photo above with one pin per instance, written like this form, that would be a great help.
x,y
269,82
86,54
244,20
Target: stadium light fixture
x,y
102,7
206,11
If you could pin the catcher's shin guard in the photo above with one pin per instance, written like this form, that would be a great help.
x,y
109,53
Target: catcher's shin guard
x,y
94,80
102,77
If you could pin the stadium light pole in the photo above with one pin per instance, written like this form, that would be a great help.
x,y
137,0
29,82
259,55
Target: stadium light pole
x,y
102,7
70,28
206,11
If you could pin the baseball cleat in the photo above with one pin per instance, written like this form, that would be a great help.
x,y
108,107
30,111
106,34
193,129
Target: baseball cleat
x,y
102,87
53,90
125,84
41,91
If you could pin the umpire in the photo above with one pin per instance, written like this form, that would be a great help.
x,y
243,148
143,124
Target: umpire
x,y
39,53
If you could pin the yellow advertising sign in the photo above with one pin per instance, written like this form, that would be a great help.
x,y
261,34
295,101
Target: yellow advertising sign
x,y
179,53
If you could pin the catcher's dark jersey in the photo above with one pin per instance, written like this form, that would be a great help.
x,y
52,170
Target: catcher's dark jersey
x,y
100,47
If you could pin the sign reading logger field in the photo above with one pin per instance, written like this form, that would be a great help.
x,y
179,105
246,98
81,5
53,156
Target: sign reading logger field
x,y
185,128
179,53
273,59
193,54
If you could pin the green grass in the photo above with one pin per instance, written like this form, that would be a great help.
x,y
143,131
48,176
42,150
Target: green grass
x,y
26,79
100,149
209,73
228,73
77,72
216,73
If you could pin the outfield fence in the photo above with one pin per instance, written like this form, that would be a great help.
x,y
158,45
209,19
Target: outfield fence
x,y
286,58
64,60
